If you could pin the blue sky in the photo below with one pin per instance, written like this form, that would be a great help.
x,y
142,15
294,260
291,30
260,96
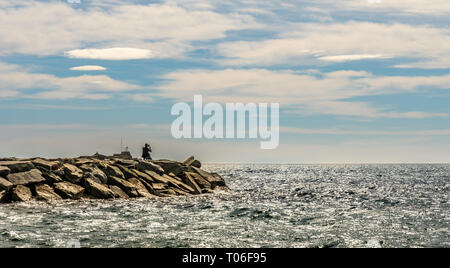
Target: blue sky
x,y
358,81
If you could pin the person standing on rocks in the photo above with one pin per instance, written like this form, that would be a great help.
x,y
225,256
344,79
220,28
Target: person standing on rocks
x,y
146,150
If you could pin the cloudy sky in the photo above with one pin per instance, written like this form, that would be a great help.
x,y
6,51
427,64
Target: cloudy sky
x,y
358,81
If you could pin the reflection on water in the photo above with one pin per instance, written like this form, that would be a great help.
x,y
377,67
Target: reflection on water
x,y
270,206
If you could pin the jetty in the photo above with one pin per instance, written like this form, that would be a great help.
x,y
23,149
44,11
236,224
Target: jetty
x,y
103,177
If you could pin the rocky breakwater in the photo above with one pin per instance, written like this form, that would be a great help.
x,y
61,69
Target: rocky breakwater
x,y
94,178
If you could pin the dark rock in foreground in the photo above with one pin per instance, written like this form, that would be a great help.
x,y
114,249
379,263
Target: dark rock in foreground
x,y
102,178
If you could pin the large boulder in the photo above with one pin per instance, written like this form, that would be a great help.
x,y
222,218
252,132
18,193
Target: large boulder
x,y
69,190
4,171
156,177
170,166
213,178
127,173
118,193
189,161
199,180
166,179
129,188
98,190
72,173
144,176
5,185
113,171
43,165
26,178
192,162
146,165
147,185
96,175
177,182
140,188
46,193
190,180
196,164
21,193
17,166
51,177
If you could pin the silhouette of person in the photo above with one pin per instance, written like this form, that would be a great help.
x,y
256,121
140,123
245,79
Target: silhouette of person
x,y
146,150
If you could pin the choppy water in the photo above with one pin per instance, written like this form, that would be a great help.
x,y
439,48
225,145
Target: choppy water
x,y
270,206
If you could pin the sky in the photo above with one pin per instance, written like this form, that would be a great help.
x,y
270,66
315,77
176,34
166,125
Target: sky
x,y
358,81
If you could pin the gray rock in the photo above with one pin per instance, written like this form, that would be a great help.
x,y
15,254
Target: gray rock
x,y
18,166
166,179
44,165
112,171
144,176
98,190
190,180
21,193
196,164
129,188
141,189
174,167
192,162
72,173
199,180
127,172
97,175
177,182
147,184
146,165
118,193
189,161
159,186
26,178
51,177
46,193
213,178
5,185
4,171
69,190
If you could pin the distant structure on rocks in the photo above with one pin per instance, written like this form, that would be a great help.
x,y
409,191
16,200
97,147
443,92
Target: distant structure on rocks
x,y
124,155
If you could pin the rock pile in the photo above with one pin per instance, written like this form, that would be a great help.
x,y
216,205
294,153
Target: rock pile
x,y
91,177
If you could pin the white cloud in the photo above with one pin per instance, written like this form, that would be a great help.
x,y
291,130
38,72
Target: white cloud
x,y
315,43
4,93
15,81
144,97
305,93
343,58
432,132
110,54
88,68
49,28
420,7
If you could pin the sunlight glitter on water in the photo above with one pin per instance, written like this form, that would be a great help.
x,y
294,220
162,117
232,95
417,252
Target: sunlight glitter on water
x,y
270,206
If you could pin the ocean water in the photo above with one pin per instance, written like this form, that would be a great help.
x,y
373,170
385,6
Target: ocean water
x,y
269,206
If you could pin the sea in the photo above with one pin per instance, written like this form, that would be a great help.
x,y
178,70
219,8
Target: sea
x,y
269,206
